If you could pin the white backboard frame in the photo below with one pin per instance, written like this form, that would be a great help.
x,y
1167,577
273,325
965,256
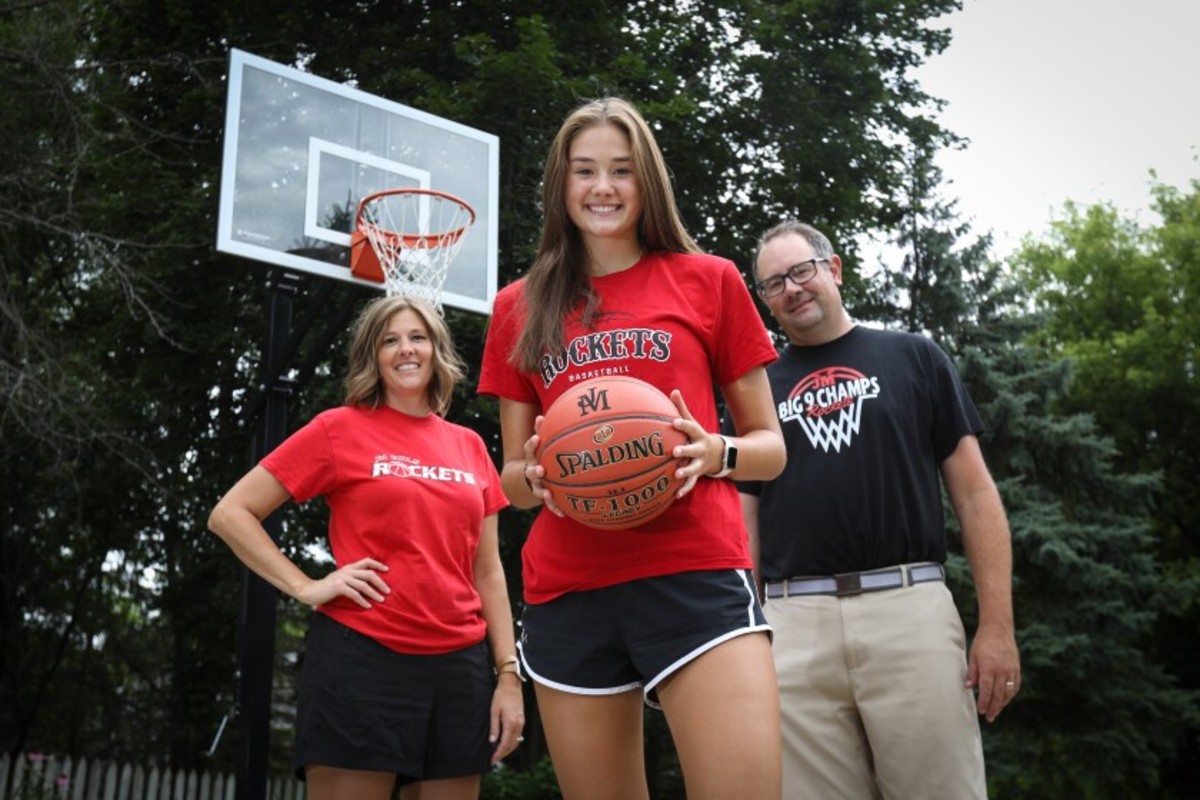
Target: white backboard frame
x,y
297,145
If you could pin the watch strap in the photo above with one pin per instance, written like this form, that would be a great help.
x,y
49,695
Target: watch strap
x,y
728,458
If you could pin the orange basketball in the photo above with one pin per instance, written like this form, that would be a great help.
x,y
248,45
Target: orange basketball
x,y
606,447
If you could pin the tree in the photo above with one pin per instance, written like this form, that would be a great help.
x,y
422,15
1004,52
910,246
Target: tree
x,y
1119,300
70,464
1087,585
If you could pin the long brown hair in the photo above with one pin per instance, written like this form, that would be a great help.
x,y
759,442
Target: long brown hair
x,y
364,384
558,279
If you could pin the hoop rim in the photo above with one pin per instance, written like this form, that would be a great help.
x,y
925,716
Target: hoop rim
x,y
415,240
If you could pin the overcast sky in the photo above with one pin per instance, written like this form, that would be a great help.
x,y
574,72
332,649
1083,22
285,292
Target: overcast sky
x,y
1066,99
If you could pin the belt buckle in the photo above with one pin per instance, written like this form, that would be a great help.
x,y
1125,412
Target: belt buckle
x,y
848,583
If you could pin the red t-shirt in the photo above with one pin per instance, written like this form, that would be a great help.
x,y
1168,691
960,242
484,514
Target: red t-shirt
x,y
677,321
411,492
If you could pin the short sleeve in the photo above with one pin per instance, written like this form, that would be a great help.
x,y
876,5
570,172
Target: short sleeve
x,y
498,376
304,462
743,341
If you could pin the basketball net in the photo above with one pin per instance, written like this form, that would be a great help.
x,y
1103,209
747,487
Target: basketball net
x,y
414,234
831,431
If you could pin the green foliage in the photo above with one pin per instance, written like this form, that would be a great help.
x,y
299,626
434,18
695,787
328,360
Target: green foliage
x,y
1100,714
1088,591
536,783
1122,299
1119,298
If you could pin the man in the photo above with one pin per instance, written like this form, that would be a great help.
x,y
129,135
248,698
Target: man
x,y
879,696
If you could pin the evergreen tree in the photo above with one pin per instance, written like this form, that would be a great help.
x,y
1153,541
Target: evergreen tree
x,y
1094,709
1119,301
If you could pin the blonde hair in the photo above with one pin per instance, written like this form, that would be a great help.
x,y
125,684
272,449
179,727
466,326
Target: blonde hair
x,y
364,384
558,279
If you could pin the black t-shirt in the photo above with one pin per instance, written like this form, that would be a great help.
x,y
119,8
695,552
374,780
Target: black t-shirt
x,y
867,419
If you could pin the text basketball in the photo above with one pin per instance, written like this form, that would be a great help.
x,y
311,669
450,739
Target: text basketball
x,y
606,447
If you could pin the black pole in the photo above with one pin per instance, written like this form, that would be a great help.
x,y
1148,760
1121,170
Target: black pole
x,y
256,628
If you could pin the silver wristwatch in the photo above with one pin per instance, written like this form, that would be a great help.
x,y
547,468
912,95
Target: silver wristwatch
x,y
728,458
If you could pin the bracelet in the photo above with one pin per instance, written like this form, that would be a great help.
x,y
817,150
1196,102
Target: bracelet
x,y
511,664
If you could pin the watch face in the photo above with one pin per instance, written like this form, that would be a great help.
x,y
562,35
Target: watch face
x,y
730,455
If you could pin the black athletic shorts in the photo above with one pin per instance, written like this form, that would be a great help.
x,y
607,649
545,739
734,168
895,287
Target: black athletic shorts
x,y
364,706
635,634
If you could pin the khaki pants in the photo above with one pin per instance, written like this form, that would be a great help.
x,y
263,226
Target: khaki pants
x,y
872,696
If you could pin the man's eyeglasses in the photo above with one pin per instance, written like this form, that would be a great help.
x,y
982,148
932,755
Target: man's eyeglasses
x,y
798,274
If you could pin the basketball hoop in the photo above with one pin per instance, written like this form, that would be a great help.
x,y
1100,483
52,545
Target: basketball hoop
x,y
413,234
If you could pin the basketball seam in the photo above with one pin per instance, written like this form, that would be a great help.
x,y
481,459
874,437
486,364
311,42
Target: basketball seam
x,y
610,481
578,426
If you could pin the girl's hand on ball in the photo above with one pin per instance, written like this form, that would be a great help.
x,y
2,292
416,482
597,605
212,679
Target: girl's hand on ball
x,y
534,472
697,448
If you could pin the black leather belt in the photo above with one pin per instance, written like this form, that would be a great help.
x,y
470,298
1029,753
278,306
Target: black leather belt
x,y
851,583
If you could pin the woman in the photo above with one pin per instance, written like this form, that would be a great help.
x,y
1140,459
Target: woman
x,y
668,609
397,685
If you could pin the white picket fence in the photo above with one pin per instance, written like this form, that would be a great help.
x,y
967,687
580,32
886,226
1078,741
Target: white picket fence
x,y
45,777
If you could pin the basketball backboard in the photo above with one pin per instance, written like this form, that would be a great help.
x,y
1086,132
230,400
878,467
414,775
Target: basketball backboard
x,y
301,151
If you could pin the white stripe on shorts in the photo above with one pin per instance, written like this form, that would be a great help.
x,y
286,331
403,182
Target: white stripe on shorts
x,y
564,687
751,627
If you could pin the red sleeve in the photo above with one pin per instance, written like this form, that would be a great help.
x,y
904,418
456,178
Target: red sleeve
x,y
494,499
498,376
743,342
304,462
